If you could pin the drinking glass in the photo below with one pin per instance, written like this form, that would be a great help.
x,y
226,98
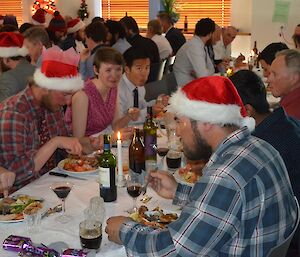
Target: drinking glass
x,y
134,188
174,160
90,232
62,190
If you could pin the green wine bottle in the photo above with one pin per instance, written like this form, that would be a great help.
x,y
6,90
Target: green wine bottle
x,y
107,172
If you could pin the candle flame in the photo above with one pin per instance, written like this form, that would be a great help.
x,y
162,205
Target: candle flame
x,y
119,135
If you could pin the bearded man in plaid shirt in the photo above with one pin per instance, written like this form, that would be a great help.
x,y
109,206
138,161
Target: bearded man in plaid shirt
x,y
243,205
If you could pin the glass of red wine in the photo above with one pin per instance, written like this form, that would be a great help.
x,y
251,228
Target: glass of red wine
x,y
62,190
134,188
162,152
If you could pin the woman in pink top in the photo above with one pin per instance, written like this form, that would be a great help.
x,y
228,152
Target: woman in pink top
x,y
96,107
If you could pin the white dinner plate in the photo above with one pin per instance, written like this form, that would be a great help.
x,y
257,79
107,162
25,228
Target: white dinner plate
x,y
61,165
180,179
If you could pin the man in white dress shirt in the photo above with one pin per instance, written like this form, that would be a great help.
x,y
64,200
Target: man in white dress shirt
x,y
154,32
192,59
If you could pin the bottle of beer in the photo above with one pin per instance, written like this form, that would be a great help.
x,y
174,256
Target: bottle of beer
x,y
136,153
107,173
185,28
255,50
150,139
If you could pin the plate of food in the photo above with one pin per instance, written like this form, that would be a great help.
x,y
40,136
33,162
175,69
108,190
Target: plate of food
x,y
186,175
79,164
156,218
12,208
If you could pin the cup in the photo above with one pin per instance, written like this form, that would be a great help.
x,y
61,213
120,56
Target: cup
x,y
173,160
33,221
90,232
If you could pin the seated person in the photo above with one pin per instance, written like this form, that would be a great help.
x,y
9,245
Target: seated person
x,y
296,36
281,131
57,28
32,126
132,90
96,107
12,56
7,179
267,56
244,191
95,36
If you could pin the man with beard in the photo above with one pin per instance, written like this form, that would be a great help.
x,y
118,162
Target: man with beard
x,y
32,126
243,205
75,36
17,68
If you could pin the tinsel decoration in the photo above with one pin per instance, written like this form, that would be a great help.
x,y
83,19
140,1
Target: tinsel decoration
x,y
47,5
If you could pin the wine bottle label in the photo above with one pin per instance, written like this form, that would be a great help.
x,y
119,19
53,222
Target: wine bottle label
x,y
150,144
104,176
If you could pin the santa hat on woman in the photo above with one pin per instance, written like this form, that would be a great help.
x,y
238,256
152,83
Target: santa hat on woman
x,y
59,70
57,23
75,25
11,45
213,100
39,18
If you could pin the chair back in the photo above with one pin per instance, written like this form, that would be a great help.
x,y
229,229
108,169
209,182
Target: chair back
x,y
169,64
281,250
161,69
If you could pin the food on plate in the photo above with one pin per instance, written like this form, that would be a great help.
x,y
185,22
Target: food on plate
x,y
80,163
155,218
33,208
12,208
188,174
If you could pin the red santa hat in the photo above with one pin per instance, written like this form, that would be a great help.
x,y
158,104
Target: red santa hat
x,y
211,99
75,25
59,70
39,18
11,44
57,23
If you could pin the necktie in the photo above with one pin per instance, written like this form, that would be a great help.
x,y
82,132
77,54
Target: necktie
x,y
135,98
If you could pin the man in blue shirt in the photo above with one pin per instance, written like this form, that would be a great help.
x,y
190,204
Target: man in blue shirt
x,y
243,205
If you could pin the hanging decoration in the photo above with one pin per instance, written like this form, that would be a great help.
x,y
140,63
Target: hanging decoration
x,y
83,10
47,5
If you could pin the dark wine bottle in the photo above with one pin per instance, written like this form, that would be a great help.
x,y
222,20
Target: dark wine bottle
x,y
185,28
150,137
107,173
136,153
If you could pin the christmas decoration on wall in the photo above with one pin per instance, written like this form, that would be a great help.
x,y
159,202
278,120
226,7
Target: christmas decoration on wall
x,y
83,11
47,5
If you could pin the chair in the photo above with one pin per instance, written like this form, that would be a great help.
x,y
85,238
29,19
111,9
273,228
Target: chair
x,y
169,65
161,69
281,250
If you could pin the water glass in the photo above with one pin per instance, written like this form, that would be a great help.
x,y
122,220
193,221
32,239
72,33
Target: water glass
x,y
33,221
90,232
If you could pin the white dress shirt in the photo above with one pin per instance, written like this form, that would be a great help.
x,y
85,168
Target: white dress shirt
x,y
192,61
163,45
121,45
126,88
221,51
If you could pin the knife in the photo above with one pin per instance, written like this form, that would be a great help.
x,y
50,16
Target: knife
x,y
53,173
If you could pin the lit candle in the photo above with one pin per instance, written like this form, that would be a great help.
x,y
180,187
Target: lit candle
x,y
119,148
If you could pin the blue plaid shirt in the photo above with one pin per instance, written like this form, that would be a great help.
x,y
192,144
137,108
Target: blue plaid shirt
x,y
242,206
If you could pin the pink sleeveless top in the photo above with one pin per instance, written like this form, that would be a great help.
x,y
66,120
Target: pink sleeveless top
x,y
100,113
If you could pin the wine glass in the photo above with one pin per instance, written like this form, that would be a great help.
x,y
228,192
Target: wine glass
x,y
162,152
134,188
62,190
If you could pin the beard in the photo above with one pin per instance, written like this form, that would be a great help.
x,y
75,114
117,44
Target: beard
x,y
201,151
47,104
3,66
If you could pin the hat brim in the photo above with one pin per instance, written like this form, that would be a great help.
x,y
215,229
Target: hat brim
x,y
60,84
13,51
77,27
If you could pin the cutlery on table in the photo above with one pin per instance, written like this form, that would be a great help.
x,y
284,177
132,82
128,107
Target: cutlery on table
x,y
53,173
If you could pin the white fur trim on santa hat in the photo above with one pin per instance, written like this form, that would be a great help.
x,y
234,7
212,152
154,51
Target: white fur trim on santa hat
x,y
34,22
60,84
79,25
13,51
208,112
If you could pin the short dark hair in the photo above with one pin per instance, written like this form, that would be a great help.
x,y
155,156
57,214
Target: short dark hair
x,y
130,23
8,28
165,17
204,27
98,19
38,34
25,26
269,52
115,27
251,90
134,53
96,31
107,55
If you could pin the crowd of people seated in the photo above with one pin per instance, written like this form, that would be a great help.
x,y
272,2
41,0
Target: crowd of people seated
x,y
66,83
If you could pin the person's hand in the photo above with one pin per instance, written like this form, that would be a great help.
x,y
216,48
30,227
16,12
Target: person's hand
x,y
85,53
163,183
113,228
133,113
97,142
126,133
158,108
7,179
70,144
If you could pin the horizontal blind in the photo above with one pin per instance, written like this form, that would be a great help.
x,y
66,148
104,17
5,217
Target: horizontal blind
x,y
12,7
217,10
117,9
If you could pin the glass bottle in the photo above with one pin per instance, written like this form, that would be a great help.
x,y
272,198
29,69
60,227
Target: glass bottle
x,y
107,172
185,28
136,153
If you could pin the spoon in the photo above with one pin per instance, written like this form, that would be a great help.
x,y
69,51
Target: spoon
x,y
57,208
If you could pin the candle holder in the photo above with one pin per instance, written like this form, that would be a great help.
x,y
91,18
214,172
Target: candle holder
x,y
121,181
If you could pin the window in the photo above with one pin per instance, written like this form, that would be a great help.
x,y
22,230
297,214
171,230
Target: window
x,y
12,7
116,9
218,10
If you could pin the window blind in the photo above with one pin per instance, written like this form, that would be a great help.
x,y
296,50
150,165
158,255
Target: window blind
x,y
12,7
